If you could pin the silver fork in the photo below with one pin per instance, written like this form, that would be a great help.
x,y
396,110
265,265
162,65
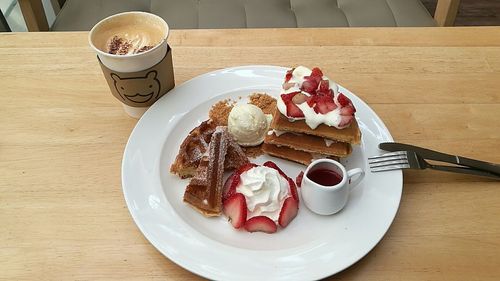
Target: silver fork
x,y
411,160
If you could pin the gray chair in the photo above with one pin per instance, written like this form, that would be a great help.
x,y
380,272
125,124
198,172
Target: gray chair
x,y
181,14
4,26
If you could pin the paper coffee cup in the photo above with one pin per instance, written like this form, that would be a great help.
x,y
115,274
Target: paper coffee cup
x,y
136,79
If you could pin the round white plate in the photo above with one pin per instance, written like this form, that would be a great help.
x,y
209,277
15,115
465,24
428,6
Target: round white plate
x,y
311,247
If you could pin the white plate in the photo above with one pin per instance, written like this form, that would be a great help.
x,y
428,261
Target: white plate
x,y
311,247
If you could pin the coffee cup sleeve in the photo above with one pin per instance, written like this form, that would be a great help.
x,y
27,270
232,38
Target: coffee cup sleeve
x,y
141,88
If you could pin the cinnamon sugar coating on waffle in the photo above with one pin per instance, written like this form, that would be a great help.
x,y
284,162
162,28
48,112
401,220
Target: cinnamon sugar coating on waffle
x,y
309,143
351,134
195,146
192,149
204,192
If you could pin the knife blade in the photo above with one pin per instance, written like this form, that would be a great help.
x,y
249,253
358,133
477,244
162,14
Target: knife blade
x,y
439,156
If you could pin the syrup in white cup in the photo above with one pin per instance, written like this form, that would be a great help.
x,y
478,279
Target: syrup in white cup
x,y
326,185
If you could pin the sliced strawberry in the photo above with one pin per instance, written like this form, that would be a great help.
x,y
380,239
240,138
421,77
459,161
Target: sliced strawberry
x,y
298,179
347,110
289,74
245,167
316,72
293,189
234,180
345,120
324,104
343,100
230,185
273,165
324,86
320,108
309,85
292,110
288,211
288,97
311,100
262,224
235,208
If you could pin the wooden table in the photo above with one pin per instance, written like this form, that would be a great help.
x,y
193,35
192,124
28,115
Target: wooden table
x,y
62,135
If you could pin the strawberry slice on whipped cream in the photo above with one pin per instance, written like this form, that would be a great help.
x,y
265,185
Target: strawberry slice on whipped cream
x,y
259,198
310,96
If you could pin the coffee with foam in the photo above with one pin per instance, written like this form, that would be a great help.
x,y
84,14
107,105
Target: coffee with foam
x,y
128,34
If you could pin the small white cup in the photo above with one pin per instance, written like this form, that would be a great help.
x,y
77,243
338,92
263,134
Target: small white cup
x,y
328,200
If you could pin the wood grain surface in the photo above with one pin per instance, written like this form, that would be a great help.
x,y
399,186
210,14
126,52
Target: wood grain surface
x,y
62,135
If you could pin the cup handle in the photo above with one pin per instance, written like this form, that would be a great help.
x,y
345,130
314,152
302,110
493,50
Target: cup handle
x,y
354,176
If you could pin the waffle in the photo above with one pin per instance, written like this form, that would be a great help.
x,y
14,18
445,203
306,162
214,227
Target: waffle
x,y
350,134
310,144
196,144
299,156
204,192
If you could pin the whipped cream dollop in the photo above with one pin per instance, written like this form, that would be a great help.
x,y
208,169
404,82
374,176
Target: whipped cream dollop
x,y
248,125
312,118
265,191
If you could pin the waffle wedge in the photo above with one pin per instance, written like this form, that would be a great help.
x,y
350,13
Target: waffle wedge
x,y
204,192
195,146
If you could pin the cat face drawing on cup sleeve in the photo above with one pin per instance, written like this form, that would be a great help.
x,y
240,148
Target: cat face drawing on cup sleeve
x,y
138,90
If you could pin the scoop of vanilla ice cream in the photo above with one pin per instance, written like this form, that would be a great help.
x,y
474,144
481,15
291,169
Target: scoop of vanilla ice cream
x,y
247,124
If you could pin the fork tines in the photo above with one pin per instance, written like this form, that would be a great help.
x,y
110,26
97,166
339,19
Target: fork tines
x,y
389,161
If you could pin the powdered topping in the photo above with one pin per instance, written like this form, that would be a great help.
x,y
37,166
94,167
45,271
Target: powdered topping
x,y
308,95
122,46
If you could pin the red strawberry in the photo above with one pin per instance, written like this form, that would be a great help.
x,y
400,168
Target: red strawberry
x,y
347,110
292,110
298,179
320,108
273,165
293,189
230,186
309,85
345,120
324,86
235,208
343,100
245,167
289,74
311,100
316,72
261,223
234,180
324,104
288,211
